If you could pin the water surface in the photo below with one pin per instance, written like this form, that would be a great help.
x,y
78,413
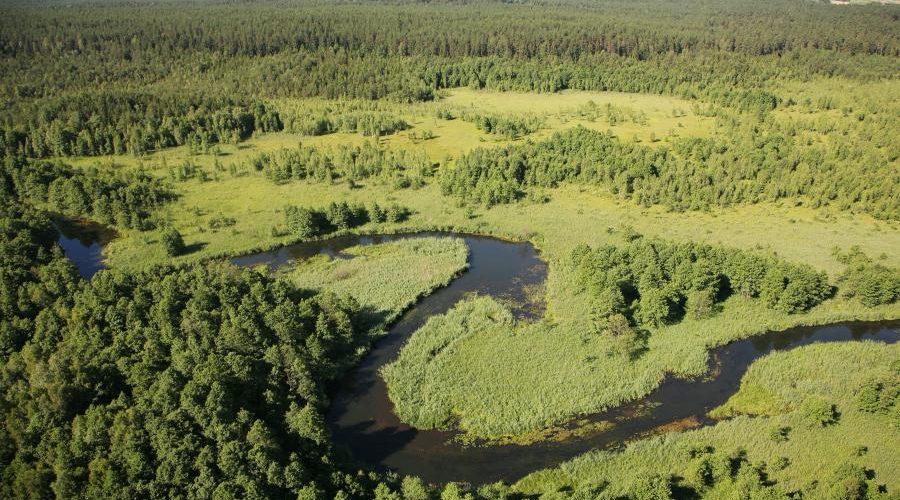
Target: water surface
x,y
82,242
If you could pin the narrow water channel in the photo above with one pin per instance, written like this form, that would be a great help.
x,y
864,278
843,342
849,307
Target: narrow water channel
x,y
363,422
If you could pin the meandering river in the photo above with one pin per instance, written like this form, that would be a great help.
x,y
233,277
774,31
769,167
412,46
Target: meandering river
x,y
362,419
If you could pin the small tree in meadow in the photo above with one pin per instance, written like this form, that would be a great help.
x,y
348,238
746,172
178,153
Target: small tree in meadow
x,y
302,222
172,242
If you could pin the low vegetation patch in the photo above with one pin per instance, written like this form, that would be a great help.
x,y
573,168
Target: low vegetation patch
x,y
814,428
477,369
385,278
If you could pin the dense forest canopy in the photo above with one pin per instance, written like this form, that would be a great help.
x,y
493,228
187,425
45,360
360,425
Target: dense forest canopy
x,y
694,174
372,49
519,30
209,380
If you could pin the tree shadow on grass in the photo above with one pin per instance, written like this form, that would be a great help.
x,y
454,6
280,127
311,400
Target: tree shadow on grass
x,y
194,247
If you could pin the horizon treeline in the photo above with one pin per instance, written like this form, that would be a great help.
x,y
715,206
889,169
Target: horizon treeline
x,y
717,49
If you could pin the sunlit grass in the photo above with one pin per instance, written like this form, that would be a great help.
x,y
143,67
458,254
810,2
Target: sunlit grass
x,y
474,369
385,278
533,376
834,372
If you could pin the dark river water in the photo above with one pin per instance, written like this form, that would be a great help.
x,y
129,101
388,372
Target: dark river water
x,y
362,420
83,242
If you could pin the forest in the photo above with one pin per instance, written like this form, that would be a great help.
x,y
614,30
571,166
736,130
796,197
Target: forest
x,y
695,174
455,249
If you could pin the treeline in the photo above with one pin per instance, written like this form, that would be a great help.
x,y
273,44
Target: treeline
x,y
652,283
405,52
34,274
336,73
401,167
692,174
562,29
124,198
207,381
509,127
367,118
310,223
101,123
211,381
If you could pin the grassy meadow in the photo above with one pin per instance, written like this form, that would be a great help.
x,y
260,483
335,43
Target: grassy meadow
x,y
475,369
783,441
385,278
676,177
573,214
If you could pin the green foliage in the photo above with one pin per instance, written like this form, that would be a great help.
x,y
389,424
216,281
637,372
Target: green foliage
x,y
848,482
304,223
402,168
780,434
701,303
794,288
872,283
227,367
736,458
655,282
125,198
368,118
339,216
510,127
104,123
385,278
680,177
880,395
209,382
415,402
34,278
396,213
396,51
172,242
657,487
413,489
818,412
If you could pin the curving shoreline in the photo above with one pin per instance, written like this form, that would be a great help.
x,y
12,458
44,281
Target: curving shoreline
x,y
363,422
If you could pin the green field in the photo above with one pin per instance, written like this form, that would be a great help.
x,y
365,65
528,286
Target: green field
x,y
833,373
573,215
385,278
519,379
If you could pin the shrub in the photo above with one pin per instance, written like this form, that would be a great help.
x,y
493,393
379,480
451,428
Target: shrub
x,y
172,242
656,487
303,222
872,283
818,412
794,288
701,304
397,213
780,434
848,482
